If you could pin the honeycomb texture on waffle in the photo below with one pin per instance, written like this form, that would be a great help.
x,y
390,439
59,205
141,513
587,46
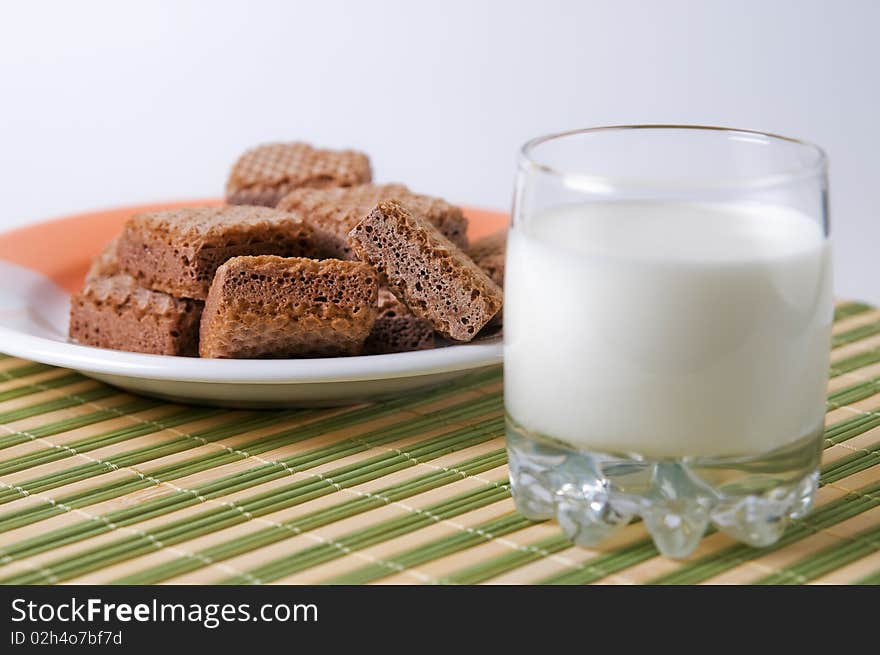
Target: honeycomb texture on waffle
x,y
216,226
333,213
488,253
429,273
270,306
113,311
178,251
265,174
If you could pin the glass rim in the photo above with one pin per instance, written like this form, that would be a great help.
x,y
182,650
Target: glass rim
x,y
817,166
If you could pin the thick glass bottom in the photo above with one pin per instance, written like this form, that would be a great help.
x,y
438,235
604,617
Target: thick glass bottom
x,y
751,498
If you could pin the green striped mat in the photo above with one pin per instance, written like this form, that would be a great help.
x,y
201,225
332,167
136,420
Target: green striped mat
x,y
98,486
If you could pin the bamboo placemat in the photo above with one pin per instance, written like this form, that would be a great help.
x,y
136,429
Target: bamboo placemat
x,y
98,486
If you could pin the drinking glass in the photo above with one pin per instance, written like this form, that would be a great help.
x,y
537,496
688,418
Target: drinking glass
x,y
667,322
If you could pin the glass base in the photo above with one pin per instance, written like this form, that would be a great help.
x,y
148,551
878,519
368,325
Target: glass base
x,y
593,495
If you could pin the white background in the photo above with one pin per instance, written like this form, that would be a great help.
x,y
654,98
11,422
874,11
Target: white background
x,y
105,103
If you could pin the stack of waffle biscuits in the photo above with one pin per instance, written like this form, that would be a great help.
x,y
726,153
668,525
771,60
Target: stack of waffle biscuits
x,y
308,258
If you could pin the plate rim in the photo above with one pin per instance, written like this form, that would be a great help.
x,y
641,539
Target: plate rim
x,y
251,371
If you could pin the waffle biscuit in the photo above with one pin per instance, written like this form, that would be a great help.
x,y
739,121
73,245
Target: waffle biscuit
x,y
429,273
332,213
113,311
488,253
271,306
265,174
178,251
396,329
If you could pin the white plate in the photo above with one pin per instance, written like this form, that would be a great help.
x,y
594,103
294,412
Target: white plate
x,y
41,263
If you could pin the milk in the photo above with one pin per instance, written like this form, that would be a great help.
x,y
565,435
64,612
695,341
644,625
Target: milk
x,y
668,329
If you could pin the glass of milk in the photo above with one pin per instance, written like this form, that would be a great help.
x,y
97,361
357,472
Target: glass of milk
x,y
667,322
